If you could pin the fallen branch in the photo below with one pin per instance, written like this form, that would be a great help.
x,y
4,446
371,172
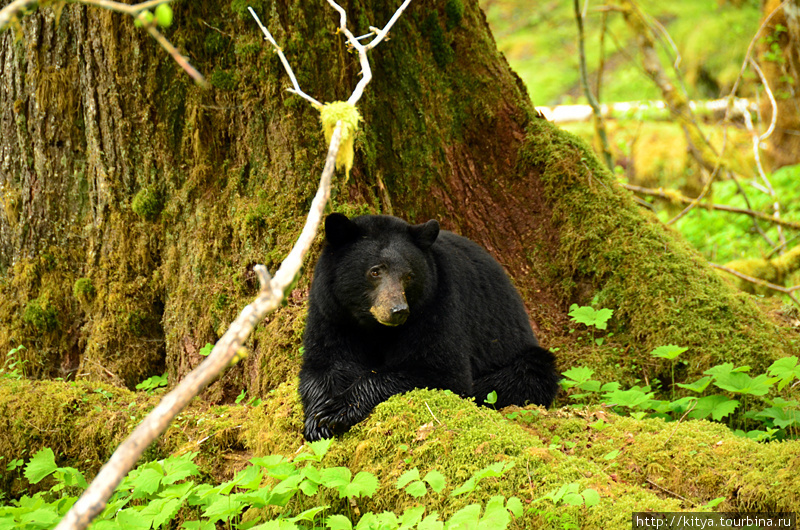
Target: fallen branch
x,y
229,349
788,291
677,197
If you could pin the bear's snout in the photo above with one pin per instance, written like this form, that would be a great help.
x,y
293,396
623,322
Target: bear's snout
x,y
390,307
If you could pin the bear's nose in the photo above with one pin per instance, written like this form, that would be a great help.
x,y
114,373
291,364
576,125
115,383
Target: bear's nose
x,y
400,313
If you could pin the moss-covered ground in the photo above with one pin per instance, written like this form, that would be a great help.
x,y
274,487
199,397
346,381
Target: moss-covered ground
x,y
634,465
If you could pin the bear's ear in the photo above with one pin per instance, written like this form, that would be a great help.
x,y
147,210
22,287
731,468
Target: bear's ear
x,y
425,234
340,230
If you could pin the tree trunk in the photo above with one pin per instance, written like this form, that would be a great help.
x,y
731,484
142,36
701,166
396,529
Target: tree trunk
x,y
162,196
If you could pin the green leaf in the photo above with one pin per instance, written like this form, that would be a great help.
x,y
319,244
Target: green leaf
x,y
514,506
786,369
310,514
577,375
335,477
698,386
41,465
573,499
179,468
197,525
589,316
338,522
411,517
431,522
205,351
147,483
590,497
364,484
717,406
436,481
632,398
466,517
781,417
491,397
669,351
320,447
44,517
408,476
495,514
466,487
741,383
416,489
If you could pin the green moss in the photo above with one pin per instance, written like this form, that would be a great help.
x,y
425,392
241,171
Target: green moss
x,y
83,289
443,54
662,291
147,204
454,10
41,314
223,80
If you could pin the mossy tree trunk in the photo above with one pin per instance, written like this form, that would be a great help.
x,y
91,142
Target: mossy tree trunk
x,y
117,169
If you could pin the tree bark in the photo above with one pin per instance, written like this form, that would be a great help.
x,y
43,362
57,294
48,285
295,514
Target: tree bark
x,y
117,169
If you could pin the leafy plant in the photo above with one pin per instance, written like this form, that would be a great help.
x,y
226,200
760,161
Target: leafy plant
x,y
588,316
160,492
152,383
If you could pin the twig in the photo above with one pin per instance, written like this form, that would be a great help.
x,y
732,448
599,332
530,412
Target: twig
x,y
134,10
665,490
432,414
690,409
674,196
776,207
598,114
286,66
366,71
788,291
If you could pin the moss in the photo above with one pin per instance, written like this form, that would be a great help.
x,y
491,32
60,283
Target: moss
x,y
41,314
454,10
696,460
83,289
662,291
443,54
147,204
223,80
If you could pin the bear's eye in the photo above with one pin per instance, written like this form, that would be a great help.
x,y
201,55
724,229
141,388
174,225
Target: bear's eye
x,y
375,272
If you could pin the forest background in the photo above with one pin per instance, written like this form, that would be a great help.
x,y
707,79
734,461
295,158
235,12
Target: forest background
x,y
680,385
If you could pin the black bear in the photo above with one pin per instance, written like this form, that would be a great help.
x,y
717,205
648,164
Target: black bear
x,y
395,306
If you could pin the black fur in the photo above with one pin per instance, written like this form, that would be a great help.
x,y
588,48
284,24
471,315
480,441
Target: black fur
x,y
464,326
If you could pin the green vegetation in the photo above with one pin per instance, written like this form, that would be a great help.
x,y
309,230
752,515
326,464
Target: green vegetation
x,y
41,314
541,46
160,493
147,204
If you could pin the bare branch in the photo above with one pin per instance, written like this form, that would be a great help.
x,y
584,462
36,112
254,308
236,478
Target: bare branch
x,y
677,197
599,125
788,291
366,71
268,36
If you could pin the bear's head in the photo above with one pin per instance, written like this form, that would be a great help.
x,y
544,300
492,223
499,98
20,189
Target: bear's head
x,y
379,268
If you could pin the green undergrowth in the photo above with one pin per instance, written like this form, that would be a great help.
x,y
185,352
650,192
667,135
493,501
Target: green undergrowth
x,y
661,290
697,460
584,466
541,45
